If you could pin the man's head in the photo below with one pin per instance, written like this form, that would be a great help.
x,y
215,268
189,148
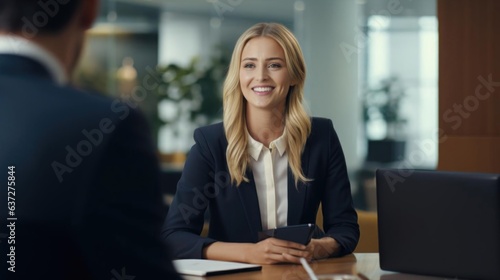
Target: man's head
x,y
30,16
57,25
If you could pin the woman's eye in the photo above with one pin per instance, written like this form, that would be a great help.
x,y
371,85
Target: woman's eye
x,y
248,65
274,65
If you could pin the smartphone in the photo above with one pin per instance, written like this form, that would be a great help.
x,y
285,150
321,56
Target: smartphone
x,y
301,234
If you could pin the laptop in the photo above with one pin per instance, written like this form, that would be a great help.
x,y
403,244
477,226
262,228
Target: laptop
x,y
439,223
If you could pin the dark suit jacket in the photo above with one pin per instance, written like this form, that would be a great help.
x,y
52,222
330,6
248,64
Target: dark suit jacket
x,y
87,198
234,211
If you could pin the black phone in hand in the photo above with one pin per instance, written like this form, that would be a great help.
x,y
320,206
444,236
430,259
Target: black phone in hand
x,y
301,234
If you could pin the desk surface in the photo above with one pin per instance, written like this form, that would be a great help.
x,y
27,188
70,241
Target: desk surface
x,y
365,265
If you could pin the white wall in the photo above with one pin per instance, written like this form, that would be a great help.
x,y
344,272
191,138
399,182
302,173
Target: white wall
x,y
184,36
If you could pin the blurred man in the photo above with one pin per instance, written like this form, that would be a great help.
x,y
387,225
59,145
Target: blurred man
x,y
80,196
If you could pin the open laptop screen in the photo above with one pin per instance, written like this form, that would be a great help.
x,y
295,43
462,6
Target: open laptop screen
x,y
439,223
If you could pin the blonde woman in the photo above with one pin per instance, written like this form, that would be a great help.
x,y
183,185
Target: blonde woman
x,y
267,165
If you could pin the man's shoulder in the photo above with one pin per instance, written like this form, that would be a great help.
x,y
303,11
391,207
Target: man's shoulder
x,y
94,104
87,97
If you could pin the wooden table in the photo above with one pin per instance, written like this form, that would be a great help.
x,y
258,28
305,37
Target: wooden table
x,y
366,266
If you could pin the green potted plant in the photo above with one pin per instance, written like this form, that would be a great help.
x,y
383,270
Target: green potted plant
x,y
187,97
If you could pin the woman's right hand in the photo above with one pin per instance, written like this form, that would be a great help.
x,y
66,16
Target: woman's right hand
x,y
272,251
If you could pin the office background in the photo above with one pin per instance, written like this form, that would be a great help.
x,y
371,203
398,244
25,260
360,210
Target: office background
x,y
372,68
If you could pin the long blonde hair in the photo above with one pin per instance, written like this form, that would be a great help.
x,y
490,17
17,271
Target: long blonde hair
x,y
297,121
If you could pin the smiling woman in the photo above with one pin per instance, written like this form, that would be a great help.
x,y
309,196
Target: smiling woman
x,y
267,165
276,59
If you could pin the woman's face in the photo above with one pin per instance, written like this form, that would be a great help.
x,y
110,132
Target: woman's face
x,y
264,78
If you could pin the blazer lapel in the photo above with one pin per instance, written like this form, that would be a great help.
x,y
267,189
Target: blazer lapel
x,y
297,195
250,202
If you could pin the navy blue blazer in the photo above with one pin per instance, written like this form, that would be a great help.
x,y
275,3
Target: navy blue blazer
x,y
87,195
234,211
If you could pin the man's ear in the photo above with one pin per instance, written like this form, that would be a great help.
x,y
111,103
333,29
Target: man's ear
x,y
89,10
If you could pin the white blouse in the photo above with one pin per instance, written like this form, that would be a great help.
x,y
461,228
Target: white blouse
x,y
270,172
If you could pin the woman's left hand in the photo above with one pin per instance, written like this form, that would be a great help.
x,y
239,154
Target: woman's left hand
x,y
322,248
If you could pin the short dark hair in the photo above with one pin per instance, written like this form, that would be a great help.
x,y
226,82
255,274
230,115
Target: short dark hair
x,y
36,16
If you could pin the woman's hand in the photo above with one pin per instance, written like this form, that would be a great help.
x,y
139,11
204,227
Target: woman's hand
x,y
272,251
321,248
